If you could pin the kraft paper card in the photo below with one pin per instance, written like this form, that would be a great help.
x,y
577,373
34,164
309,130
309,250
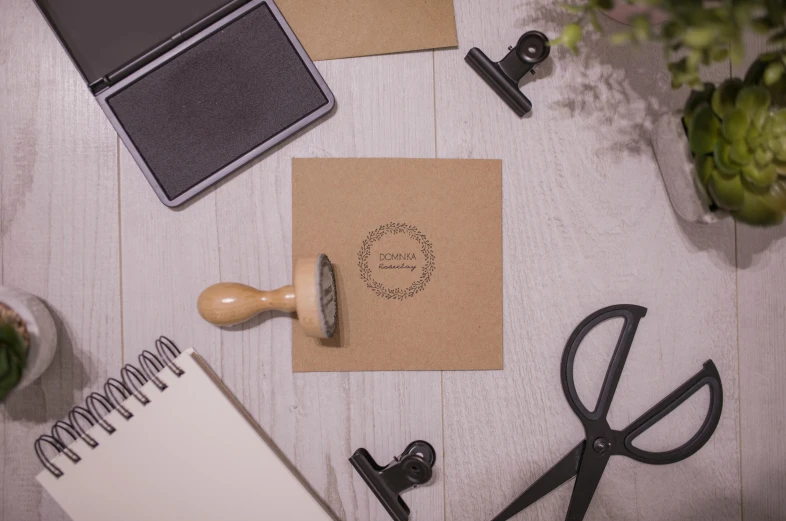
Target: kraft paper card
x,y
416,245
350,28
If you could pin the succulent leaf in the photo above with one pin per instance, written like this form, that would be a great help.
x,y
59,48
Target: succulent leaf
x,y
755,101
704,167
703,130
763,156
740,153
753,98
570,37
725,96
778,146
5,363
701,36
773,73
776,197
696,99
735,124
13,357
755,210
723,161
778,122
755,138
752,188
729,194
761,177
759,119
780,166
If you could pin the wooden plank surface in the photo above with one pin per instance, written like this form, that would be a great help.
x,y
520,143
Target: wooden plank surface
x,y
762,365
242,232
587,224
762,303
59,239
761,277
319,419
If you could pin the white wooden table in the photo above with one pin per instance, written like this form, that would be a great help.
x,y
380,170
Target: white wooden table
x,y
586,224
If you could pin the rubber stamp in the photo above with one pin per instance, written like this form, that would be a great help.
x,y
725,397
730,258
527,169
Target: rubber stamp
x,y
312,296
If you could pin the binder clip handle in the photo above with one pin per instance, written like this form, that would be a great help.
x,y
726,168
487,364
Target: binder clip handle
x,y
532,48
412,468
409,470
504,76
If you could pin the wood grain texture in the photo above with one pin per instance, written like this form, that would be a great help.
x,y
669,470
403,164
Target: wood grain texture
x,y
169,257
761,276
587,223
232,303
762,306
59,239
385,108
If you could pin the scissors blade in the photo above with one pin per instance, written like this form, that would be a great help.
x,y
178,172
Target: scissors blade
x,y
590,471
553,478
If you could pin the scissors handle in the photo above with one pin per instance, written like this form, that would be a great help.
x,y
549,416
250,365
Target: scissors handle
x,y
707,376
632,315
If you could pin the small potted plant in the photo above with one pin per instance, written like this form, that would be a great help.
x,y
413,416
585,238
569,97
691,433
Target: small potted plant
x,y
14,345
725,153
28,340
737,144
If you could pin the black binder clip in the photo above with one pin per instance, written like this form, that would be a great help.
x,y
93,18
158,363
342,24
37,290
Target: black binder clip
x,y
504,76
411,469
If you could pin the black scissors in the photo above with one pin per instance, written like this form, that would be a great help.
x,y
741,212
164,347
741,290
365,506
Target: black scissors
x,y
588,459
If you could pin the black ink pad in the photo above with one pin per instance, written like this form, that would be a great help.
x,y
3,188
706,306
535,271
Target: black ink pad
x,y
195,88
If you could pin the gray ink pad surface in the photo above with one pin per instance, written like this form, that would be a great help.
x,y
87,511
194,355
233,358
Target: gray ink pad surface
x,y
199,104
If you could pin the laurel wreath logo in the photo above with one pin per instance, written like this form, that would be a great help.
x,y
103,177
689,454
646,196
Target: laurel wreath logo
x,y
394,228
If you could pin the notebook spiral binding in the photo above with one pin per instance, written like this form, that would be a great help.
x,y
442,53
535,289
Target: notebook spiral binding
x,y
115,393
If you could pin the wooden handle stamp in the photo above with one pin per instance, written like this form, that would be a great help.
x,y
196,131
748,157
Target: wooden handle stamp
x,y
312,296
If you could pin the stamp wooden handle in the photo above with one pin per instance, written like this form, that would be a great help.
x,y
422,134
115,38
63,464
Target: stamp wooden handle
x,y
230,303
313,297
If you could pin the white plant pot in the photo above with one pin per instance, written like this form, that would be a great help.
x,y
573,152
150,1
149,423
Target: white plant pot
x,y
40,326
678,171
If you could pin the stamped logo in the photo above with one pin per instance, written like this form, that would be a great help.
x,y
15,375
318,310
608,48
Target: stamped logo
x,y
396,261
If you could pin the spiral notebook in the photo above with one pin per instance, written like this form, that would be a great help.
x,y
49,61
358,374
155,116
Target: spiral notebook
x,y
169,441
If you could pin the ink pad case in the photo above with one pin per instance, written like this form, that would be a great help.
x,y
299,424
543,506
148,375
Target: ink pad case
x,y
195,88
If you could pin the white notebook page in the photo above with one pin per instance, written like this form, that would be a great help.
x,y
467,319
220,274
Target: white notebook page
x,y
191,453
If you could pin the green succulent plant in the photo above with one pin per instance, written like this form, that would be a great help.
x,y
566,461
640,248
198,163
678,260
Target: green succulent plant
x,y
737,132
695,33
738,141
13,358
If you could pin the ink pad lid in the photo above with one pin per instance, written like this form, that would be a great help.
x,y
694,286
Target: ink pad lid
x,y
104,37
194,88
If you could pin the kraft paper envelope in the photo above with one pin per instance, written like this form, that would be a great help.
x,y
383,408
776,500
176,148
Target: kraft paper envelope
x,y
416,245
347,28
